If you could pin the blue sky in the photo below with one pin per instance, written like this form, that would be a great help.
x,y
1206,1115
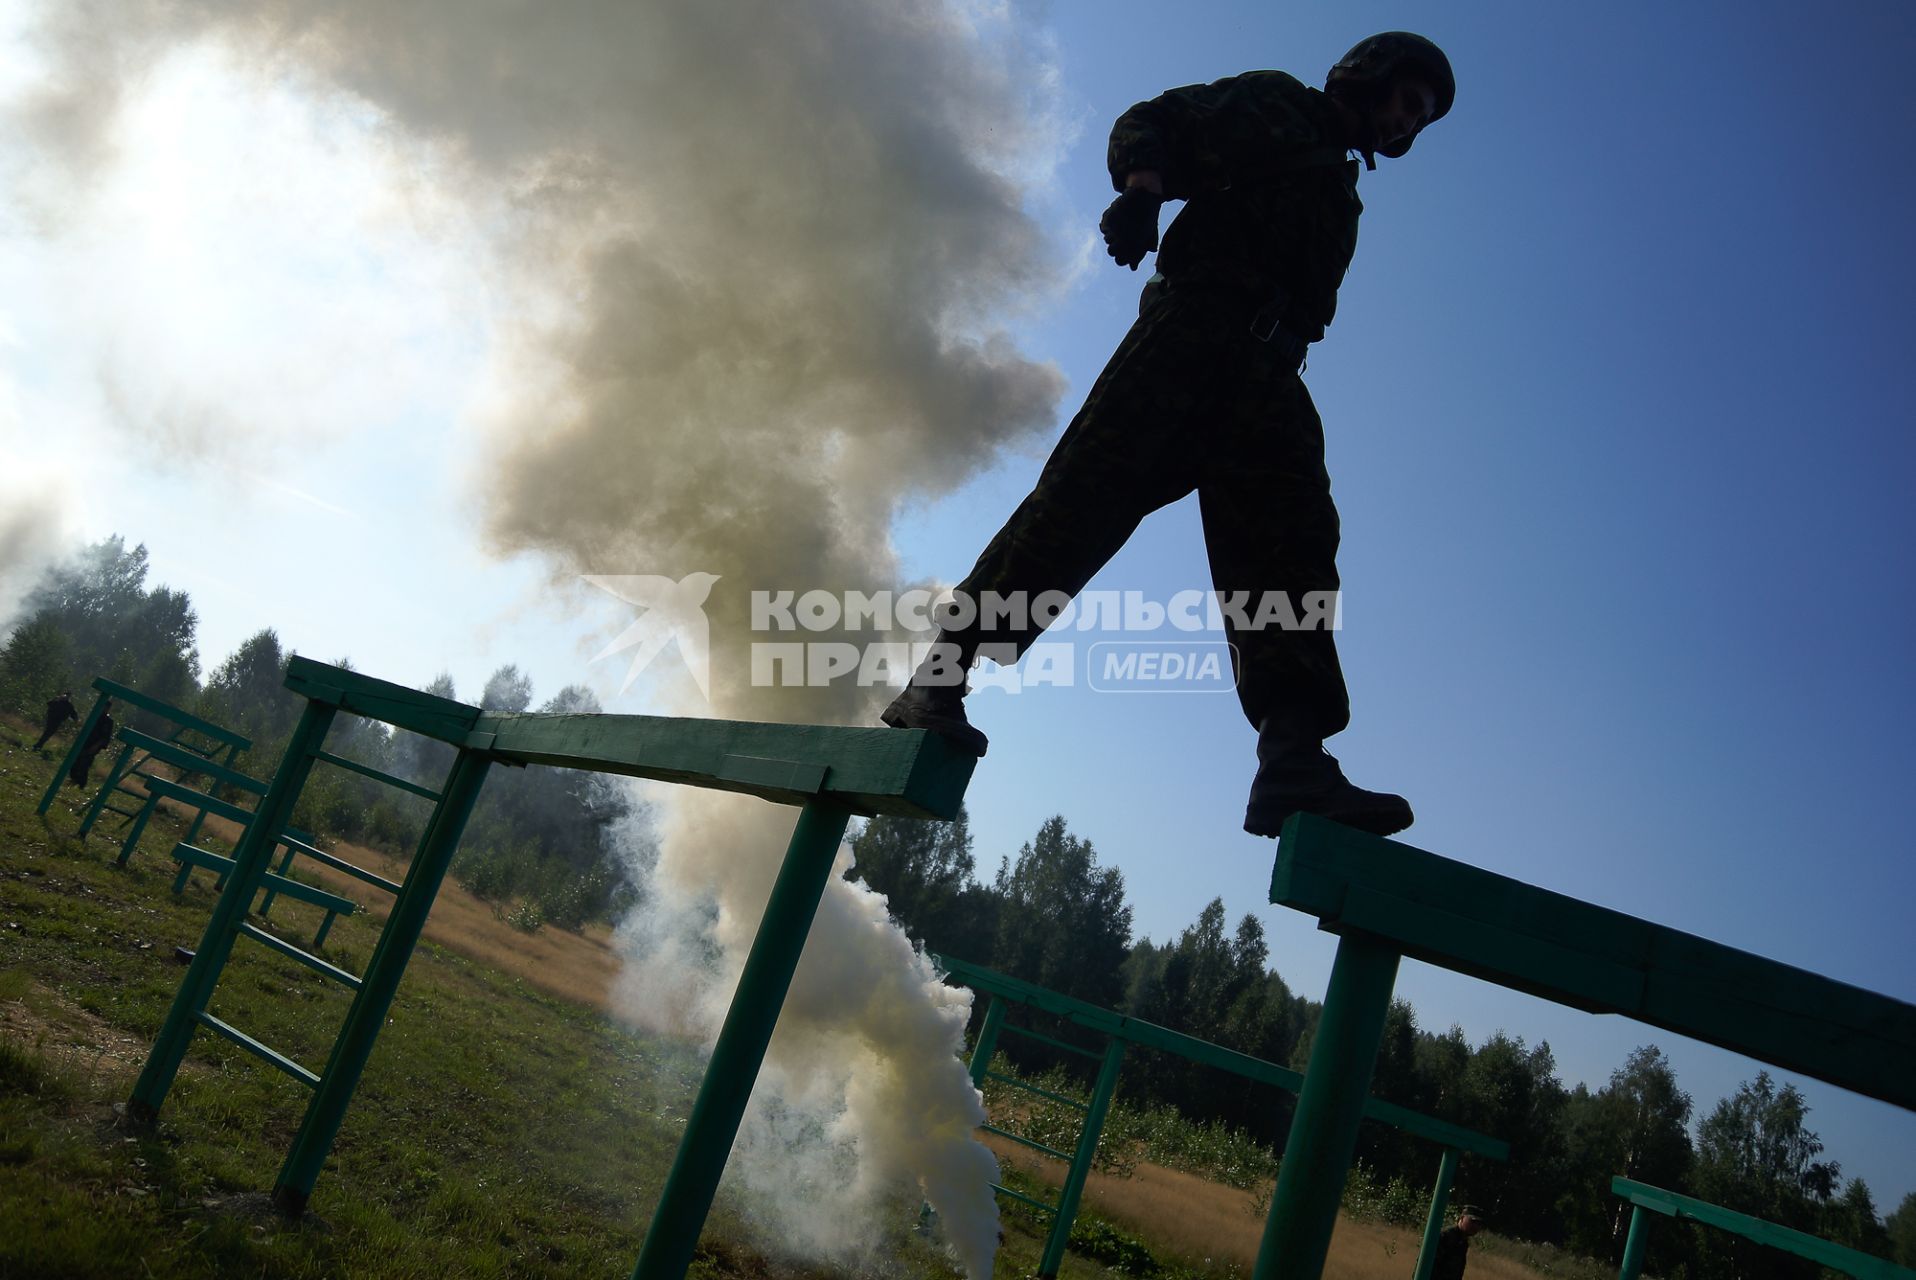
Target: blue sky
x,y
1614,410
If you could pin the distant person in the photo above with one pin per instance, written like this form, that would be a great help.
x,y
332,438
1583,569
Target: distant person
x,y
95,743
59,711
1453,1247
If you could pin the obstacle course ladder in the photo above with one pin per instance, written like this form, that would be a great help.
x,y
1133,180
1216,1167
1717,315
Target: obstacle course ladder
x,y
830,772
1386,900
194,746
1120,1031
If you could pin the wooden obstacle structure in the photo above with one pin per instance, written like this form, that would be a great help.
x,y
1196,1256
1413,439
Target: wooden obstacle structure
x,y
1387,900
1120,1031
830,773
1645,1200
193,745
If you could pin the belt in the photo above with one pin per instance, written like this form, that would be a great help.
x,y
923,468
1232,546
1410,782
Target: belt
x,y
1267,322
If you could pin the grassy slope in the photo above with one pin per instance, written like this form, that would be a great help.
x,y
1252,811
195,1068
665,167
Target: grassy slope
x,y
497,1131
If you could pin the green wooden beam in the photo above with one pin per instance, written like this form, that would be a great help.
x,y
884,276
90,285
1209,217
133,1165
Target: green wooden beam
x,y
422,713
188,761
910,774
166,710
1818,1250
1081,1158
1138,1031
1592,958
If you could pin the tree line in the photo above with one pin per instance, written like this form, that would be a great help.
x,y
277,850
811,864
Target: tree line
x,y
1052,916
538,844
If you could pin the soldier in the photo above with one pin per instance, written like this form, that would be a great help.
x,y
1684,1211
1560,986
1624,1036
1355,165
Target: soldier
x,y
96,742
59,711
1204,394
1453,1247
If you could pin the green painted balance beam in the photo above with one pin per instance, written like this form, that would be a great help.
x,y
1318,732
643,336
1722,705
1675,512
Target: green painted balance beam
x,y
1121,1030
831,772
1645,1199
1388,900
226,741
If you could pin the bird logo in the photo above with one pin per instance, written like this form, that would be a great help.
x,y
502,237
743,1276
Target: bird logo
x,y
672,611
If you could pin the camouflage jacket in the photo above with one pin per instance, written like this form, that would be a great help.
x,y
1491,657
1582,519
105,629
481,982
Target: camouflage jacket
x,y
1270,204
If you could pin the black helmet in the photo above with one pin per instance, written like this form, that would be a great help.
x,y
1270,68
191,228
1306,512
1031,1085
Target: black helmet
x,y
1373,62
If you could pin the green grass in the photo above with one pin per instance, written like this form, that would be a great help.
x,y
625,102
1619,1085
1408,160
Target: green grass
x,y
496,1132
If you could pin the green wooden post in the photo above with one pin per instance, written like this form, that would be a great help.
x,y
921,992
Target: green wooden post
x,y
1634,1244
285,869
1317,1157
137,830
99,797
987,1043
229,912
213,788
354,1044
689,1188
1434,1224
1082,1157
67,761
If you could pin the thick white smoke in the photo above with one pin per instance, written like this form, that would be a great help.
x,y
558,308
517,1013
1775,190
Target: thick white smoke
x,y
751,265
863,1095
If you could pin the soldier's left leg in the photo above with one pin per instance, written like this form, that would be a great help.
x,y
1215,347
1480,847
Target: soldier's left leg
x,y
1271,531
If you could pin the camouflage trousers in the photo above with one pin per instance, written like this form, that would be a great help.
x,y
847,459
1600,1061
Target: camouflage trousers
x,y
1191,400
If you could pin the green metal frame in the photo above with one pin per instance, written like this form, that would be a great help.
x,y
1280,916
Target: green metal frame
x,y
1646,1199
184,722
831,772
1386,900
1121,1030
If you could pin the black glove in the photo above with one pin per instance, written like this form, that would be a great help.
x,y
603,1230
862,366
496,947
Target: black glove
x,y
1130,226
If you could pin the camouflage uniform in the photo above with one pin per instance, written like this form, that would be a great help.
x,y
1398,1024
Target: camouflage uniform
x,y
1192,399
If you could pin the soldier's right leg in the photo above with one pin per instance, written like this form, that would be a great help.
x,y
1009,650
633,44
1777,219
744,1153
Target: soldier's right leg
x,y
1135,446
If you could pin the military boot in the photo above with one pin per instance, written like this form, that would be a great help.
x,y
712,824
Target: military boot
x,y
937,702
1295,773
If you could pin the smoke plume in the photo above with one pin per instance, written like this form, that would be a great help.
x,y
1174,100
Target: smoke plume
x,y
754,263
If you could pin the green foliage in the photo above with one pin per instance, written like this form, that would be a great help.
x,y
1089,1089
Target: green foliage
x,y
1062,919
108,623
248,693
1902,1232
1394,1201
35,666
924,869
1637,1126
1756,1155
1099,1241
